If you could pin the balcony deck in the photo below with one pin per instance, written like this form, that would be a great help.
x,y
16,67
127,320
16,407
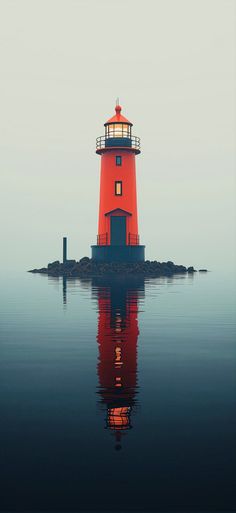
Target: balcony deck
x,y
104,143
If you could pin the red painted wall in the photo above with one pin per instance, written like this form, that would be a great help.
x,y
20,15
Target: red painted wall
x,y
110,173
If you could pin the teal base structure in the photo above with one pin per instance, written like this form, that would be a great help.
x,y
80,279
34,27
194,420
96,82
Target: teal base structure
x,y
118,253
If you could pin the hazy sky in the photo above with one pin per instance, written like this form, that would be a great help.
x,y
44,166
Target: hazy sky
x,y
62,65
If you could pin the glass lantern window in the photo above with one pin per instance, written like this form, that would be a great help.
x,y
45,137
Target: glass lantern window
x,y
118,130
126,130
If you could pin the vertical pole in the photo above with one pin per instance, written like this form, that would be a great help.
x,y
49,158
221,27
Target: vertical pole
x,y
64,249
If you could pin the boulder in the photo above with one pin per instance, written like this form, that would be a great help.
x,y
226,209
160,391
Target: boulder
x,y
53,264
84,260
69,263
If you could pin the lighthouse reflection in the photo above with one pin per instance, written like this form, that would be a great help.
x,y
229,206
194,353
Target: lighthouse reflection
x,y
117,336
118,302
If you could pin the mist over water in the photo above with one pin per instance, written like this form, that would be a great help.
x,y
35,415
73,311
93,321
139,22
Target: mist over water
x,y
117,393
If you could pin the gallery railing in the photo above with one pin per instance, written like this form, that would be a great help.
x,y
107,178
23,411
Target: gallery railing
x,y
132,142
133,240
102,239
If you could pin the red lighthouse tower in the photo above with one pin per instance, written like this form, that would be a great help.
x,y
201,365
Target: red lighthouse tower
x,y
118,238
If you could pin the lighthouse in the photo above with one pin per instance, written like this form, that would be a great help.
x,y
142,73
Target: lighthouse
x,y
118,236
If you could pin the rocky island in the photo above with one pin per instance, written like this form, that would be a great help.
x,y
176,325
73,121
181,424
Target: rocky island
x,y
88,267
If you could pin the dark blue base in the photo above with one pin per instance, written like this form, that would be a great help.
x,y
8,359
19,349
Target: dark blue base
x,y
118,253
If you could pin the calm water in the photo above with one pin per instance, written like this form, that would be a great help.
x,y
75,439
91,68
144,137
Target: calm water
x,y
117,395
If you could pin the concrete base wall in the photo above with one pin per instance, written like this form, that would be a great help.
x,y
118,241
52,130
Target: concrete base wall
x,y
118,253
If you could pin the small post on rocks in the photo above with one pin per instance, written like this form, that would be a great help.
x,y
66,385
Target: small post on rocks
x,y
64,250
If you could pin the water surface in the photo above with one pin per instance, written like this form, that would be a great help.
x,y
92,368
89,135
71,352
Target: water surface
x,y
117,395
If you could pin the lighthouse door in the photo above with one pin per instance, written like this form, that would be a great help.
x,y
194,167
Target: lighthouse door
x,y
118,230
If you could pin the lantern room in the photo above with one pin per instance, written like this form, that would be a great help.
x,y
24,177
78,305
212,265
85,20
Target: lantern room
x,y
118,133
118,130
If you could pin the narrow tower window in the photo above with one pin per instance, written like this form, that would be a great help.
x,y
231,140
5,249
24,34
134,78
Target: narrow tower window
x,y
118,188
118,160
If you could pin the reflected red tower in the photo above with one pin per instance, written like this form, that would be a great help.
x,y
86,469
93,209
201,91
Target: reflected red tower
x,y
118,237
117,338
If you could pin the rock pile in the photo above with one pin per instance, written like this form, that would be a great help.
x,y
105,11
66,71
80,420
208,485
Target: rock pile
x,y
88,267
